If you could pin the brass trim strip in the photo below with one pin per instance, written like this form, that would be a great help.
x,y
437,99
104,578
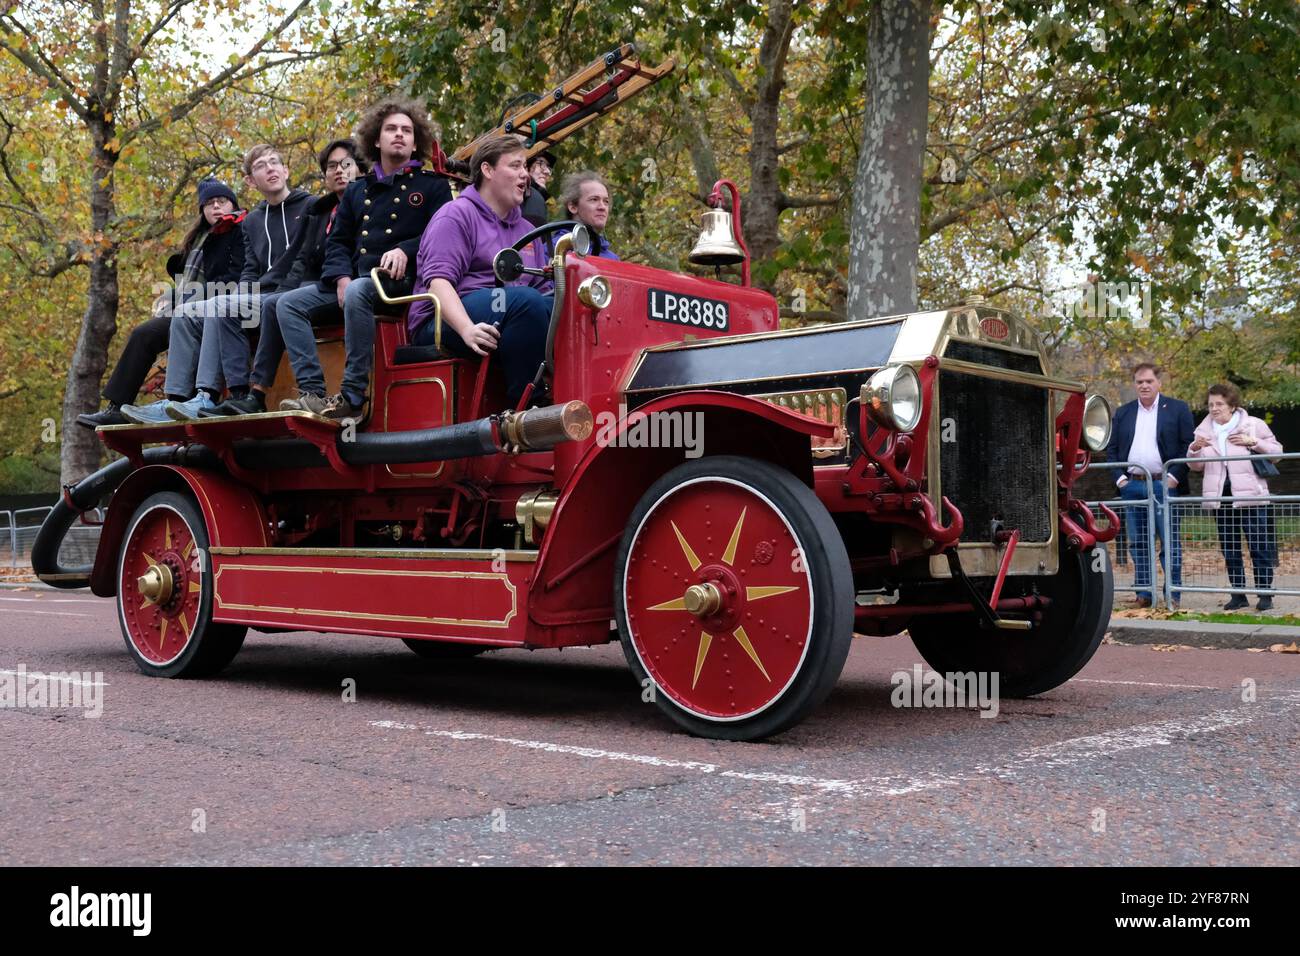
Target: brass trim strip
x,y
217,419
363,615
439,554
1009,375
765,378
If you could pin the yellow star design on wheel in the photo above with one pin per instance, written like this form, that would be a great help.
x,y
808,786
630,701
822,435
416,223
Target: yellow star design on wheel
x,y
757,593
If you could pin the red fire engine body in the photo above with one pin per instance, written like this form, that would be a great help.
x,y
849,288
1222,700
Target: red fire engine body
x,y
725,498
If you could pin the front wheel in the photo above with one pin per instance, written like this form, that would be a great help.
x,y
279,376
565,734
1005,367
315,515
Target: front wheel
x,y
164,592
1046,656
733,597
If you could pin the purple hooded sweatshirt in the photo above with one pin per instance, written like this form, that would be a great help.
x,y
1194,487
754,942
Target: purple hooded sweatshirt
x,y
458,245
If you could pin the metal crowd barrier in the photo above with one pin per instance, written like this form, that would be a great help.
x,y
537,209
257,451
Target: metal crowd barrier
x,y
1269,525
20,528
1119,547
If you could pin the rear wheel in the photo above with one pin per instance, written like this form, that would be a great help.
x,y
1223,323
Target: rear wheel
x,y
1029,662
733,595
164,592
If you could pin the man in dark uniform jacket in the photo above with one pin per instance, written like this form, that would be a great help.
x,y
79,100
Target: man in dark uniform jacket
x,y
378,223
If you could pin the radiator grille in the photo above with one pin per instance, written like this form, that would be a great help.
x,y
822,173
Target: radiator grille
x,y
996,358
997,462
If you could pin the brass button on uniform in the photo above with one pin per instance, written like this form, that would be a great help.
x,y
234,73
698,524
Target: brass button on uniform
x,y
393,216
388,230
397,199
365,232
365,218
363,252
367,202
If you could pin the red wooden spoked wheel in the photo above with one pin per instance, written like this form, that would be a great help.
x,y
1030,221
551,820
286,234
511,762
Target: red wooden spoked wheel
x,y
733,595
164,592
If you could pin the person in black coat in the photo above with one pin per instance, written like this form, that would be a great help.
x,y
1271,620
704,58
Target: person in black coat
x,y
379,222
211,256
540,170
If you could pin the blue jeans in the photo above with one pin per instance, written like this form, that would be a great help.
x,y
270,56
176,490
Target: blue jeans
x,y
1135,523
291,312
521,313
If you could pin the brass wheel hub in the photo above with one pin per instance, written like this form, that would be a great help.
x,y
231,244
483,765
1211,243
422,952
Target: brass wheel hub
x,y
156,584
702,600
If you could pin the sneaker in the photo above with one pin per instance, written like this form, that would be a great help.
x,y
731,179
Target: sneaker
x,y
155,414
251,404
112,415
305,402
188,411
1265,603
340,408
1237,603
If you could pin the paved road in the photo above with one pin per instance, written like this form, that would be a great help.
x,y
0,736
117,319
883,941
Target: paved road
x,y
1149,757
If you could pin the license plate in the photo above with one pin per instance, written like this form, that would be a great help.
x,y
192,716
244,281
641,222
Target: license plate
x,y
681,309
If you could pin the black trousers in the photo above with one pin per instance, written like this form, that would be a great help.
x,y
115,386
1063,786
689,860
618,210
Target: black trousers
x,y
142,347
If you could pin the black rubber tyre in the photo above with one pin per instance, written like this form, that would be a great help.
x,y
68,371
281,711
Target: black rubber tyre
x,y
207,647
828,592
1034,661
444,650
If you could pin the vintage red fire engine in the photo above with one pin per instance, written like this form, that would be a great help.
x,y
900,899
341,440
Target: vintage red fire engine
x,y
729,500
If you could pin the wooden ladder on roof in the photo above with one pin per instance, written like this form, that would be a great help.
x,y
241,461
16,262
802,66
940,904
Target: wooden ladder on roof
x,y
601,86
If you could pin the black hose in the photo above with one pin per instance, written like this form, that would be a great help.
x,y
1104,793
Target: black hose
x,y
464,440
87,494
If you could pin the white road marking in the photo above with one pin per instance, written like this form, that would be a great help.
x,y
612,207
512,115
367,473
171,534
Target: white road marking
x,y
1142,683
24,610
37,675
33,600
1061,754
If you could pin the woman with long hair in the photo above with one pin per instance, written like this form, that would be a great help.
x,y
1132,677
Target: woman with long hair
x,y
208,263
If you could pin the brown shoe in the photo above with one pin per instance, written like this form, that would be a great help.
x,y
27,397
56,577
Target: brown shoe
x,y
1142,602
339,408
305,402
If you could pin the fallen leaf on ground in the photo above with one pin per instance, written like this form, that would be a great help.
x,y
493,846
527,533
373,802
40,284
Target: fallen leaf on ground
x,y
1292,648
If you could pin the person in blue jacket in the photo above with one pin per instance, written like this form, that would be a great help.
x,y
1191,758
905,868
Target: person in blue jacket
x,y
1149,431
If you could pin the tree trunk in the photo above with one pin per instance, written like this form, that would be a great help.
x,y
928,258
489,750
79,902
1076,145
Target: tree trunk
x,y
885,219
762,207
80,451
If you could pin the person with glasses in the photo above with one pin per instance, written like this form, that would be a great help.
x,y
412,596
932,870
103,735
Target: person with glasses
x,y
197,367
540,170
379,222
340,163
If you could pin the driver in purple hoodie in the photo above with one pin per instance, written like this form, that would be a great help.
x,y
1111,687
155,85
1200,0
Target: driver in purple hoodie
x,y
454,262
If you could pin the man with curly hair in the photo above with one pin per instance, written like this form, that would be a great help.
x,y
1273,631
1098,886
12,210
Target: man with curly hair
x,y
378,223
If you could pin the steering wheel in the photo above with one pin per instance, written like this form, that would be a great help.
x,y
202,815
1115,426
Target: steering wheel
x,y
508,264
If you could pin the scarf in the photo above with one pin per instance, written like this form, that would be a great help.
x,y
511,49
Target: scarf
x,y
1221,432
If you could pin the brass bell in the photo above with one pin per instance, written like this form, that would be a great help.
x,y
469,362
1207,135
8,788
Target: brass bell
x,y
717,244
